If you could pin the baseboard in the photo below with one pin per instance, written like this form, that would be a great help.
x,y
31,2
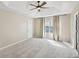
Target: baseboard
x,y
12,44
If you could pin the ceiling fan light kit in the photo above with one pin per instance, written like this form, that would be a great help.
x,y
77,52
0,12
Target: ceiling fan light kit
x,y
38,9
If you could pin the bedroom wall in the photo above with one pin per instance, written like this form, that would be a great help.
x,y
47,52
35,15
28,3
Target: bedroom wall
x,y
64,30
13,28
30,28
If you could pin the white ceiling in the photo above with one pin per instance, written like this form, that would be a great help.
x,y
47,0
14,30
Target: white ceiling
x,y
55,7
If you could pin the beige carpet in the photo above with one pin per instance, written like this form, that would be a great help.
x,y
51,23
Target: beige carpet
x,y
40,48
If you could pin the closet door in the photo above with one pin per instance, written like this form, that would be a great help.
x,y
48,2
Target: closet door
x,y
38,28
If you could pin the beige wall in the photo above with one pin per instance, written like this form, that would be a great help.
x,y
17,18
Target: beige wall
x,y
30,27
13,28
64,30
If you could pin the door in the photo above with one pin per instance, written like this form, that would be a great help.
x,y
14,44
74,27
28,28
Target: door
x,y
77,31
38,28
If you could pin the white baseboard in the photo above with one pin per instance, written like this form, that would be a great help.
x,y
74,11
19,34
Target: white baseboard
x,y
12,44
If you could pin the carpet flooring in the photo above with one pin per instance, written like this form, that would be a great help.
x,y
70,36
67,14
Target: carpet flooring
x,y
38,48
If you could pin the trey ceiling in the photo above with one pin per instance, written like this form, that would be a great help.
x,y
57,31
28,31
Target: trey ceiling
x,y
55,7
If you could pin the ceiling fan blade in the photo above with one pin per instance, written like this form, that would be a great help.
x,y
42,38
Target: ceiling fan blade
x,y
43,3
33,8
33,5
44,7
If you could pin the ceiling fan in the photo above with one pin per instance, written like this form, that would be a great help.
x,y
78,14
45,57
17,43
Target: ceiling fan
x,y
39,5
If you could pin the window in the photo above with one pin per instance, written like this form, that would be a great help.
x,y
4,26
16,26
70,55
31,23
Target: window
x,y
48,29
